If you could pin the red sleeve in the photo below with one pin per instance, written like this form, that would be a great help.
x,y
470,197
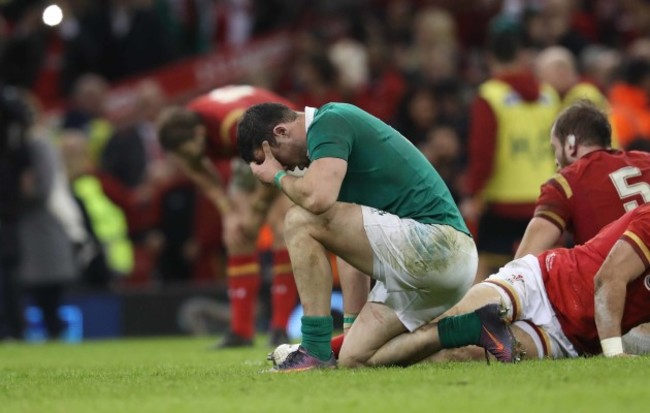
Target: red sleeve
x,y
121,195
482,145
553,202
139,216
637,233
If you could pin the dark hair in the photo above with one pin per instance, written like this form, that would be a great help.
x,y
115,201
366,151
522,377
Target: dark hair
x,y
504,46
586,122
176,126
256,126
504,39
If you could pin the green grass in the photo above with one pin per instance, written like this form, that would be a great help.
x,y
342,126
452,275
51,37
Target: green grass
x,y
181,375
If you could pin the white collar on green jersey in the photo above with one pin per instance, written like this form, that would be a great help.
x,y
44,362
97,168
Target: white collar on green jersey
x,y
309,116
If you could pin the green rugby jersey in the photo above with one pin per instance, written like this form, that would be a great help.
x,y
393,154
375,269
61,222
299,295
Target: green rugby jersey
x,y
385,171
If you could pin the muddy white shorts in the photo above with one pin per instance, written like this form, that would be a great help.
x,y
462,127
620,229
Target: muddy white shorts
x,y
521,287
422,270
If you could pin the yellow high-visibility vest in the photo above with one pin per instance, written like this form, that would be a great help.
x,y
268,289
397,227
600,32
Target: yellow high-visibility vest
x,y
523,159
586,91
108,223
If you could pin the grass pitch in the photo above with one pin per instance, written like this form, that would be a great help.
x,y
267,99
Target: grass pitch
x,y
182,375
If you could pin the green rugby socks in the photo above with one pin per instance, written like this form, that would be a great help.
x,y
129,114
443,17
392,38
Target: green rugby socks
x,y
316,335
459,330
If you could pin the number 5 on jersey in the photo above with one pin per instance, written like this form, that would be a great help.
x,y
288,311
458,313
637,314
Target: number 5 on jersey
x,y
625,190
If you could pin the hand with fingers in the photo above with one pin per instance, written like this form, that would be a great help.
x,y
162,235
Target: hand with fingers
x,y
266,170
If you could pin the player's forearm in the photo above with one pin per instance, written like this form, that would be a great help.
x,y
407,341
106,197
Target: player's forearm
x,y
206,173
218,198
530,246
609,307
196,172
622,266
540,236
201,173
306,194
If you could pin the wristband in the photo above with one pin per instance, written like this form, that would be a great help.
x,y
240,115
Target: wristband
x,y
348,320
612,346
278,177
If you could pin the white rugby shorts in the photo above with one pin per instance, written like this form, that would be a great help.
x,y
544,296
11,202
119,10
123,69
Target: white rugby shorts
x,y
521,286
422,270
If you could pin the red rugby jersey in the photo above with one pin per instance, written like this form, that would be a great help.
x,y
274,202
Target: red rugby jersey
x,y
220,110
569,279
594,191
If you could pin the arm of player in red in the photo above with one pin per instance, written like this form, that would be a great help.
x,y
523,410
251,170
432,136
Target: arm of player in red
x,y
541,235
206,177
622,266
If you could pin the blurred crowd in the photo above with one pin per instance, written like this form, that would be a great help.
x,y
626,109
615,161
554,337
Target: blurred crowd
x,y
88,200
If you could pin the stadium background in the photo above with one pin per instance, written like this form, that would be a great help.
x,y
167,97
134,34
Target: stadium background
x,y
110,66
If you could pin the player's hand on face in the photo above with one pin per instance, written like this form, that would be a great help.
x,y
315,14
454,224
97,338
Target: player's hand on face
x,y
266,170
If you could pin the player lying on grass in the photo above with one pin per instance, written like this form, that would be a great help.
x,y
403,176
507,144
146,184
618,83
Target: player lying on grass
x,y
562,303
595,186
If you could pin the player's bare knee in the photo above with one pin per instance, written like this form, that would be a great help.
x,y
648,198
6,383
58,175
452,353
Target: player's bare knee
x,y
348,359
297,221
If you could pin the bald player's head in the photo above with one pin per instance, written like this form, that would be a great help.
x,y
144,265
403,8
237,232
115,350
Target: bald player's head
x,y
556,66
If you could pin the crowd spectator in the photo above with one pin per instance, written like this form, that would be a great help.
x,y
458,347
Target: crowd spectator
x,y
442,148
556,66
599,64
417,113
550,24
434,54
105,221
86,113
630,100
134,171
316,81
51,235
509,159
385,85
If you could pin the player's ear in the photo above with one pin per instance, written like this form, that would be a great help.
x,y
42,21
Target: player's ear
x,y
280,129
571,142
571,139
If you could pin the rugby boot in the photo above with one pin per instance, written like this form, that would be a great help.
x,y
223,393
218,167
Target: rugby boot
x,y
496,335
300,360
